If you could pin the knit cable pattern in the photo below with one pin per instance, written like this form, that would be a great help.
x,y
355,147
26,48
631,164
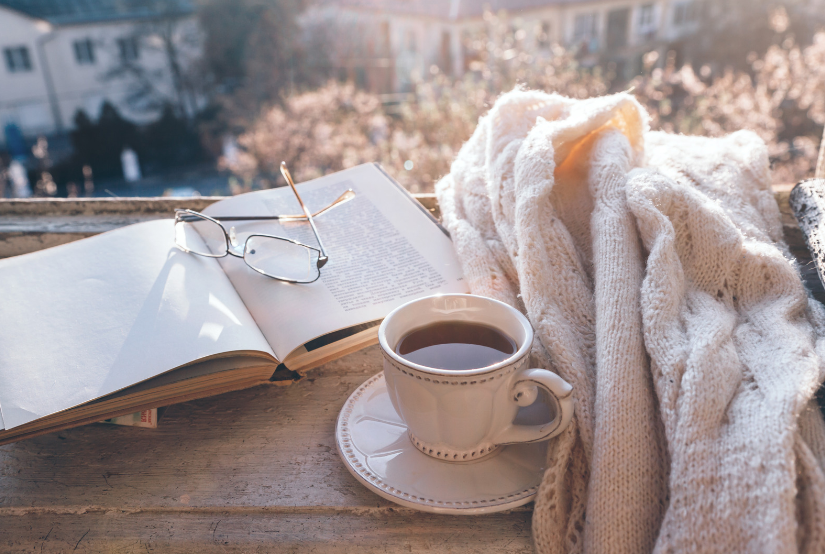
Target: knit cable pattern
x,y
653,270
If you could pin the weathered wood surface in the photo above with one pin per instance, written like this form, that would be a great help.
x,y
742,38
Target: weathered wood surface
x,y
808,202
356,533
30,225
254,470
796,242
248,471
34,224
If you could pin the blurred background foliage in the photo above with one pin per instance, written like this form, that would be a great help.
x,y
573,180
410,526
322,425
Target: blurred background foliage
x,y
271,90
778,92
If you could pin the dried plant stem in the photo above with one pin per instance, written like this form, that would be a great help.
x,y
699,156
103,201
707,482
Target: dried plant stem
x,y
820,163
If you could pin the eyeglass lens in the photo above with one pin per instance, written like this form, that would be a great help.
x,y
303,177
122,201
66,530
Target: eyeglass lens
x,y
282,259
199,235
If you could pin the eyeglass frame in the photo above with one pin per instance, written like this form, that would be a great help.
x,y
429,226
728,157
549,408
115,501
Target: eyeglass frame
x,y
231,243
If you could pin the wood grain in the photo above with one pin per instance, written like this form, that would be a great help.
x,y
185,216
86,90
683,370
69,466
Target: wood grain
x,y
33,224
266,445
807,201
248,471
795,239
260,463
230,532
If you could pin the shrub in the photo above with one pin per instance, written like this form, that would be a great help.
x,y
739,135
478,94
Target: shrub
x,y
168,142
337,126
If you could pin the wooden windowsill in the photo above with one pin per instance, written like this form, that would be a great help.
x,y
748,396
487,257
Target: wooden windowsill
x,y
252,470
28,225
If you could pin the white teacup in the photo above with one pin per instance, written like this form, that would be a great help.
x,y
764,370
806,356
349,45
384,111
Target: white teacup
x,y
464,415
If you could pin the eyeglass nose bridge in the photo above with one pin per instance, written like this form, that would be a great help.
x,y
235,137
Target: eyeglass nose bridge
x,y
234,245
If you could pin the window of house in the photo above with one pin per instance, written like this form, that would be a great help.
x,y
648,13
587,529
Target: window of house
x,y
543,38
446,53
412,43
694,10
361,76
584,26
617,23
679,14
127,48
685,12
17,59
647,19
386,45
84,51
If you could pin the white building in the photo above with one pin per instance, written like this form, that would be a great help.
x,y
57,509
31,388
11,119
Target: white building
x,y
392,42
61,56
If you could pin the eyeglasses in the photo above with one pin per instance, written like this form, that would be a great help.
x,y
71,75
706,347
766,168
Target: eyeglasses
x,y
270,255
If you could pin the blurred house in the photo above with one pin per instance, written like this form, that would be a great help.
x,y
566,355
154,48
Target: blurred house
x,y
61,56
385,45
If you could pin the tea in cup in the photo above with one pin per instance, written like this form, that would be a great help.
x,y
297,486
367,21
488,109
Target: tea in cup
x,y
457,372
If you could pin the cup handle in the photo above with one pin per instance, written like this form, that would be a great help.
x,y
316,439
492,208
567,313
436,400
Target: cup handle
x,y
524,392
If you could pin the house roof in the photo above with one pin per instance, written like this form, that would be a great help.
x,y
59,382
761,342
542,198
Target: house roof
x,y
448,9
71,12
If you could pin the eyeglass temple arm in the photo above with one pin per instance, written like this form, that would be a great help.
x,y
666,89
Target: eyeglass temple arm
x,y
322,260
348,195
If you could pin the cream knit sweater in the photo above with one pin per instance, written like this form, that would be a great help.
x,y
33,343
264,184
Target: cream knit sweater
x,y
653,270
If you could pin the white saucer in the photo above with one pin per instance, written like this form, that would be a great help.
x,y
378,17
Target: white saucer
x,y
373,442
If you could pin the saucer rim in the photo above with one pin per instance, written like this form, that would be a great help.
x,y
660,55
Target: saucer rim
x,y
489,506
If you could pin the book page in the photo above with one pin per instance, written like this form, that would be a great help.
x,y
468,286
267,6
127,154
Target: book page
x,y
384,250
86,319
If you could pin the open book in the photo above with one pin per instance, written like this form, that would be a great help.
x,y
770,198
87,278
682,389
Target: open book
x,y
125,321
